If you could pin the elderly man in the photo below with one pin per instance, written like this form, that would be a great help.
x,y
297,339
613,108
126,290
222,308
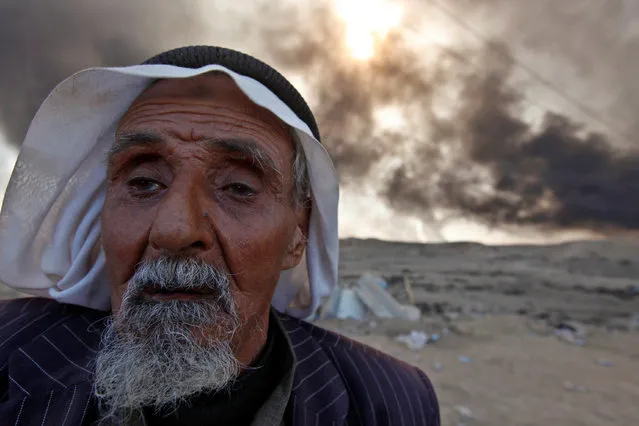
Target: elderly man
x,y
174,221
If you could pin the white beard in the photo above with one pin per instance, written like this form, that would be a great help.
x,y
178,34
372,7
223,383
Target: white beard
x,y
156,354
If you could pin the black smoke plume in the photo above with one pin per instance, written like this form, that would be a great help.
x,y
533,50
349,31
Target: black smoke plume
x,y
466,150
43,42
480,159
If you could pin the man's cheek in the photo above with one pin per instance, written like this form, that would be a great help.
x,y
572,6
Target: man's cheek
x,y
259,259
125,238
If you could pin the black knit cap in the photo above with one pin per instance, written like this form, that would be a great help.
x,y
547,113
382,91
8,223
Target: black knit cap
x,y
241,63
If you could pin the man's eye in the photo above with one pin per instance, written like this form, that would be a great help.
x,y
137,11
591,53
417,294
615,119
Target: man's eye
x,y
240,190
144,185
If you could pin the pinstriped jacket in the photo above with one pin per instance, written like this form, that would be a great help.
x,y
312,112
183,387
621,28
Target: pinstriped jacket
x,y
47,349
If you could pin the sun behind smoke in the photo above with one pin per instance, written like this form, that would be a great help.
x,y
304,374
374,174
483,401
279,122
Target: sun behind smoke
x,y
366,22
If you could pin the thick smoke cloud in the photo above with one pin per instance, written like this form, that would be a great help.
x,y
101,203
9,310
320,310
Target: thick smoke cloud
x,y
589,48
479,158
466,149
43,42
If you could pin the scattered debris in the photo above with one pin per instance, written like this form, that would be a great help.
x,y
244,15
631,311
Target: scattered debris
x,y
569,337
570,386
416,340
369,296
571,332
380,302
374,279
411,313
573,326
464,411
343,304
437,367
465,359
604,362
350,306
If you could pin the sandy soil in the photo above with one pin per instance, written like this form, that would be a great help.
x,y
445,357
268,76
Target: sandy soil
x,y
500,307
519,373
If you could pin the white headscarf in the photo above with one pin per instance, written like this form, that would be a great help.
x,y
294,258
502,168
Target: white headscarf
x,y
50,222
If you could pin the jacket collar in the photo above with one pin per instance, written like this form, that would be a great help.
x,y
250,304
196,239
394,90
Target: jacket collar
x,y
319,394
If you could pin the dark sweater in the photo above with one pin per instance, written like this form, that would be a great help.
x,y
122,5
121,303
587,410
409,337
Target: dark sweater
x,y
239,404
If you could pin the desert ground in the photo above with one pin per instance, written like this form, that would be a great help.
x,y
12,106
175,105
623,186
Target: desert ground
x,y
530,335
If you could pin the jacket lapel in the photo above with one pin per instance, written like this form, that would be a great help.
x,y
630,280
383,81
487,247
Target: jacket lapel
x,y
50,379
319,396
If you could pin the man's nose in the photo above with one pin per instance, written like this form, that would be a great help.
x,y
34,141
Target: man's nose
x,y
181,225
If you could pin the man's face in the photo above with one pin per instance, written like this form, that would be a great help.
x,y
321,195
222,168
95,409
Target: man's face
x,y
200,172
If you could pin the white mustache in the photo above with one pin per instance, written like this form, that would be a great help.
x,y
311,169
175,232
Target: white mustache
x,y
169,274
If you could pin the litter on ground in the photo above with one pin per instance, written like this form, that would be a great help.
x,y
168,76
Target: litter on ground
x,y
367,298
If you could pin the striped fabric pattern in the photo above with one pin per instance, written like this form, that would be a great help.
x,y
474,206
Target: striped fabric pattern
x,y
47,350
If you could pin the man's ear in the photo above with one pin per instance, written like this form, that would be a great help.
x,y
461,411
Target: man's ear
x,y
296,247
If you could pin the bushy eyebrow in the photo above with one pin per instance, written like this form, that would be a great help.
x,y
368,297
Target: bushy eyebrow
x,y
126,141
248,151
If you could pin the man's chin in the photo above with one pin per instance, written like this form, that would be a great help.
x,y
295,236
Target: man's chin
x,y
161,364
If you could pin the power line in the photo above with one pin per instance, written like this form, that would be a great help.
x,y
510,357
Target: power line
x,y
584,109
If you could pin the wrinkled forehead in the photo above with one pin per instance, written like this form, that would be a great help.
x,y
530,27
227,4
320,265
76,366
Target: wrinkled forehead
x,y
214,89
